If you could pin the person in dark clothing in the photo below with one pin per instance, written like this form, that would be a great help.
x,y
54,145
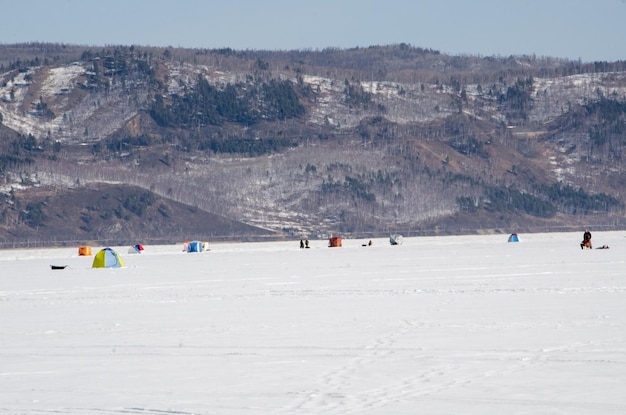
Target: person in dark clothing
x,y
301,244
586,243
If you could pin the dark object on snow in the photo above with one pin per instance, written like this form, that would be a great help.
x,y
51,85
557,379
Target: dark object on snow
x,y
603,247
58,266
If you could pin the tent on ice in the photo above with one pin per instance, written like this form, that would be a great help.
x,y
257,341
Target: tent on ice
x,y
334,241
84,251
107,258
513,238
194,246
136,249
395,239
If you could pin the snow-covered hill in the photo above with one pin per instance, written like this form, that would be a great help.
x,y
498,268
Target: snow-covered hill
x,y
77,114
417,141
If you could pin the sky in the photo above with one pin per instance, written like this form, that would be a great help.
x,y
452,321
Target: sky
x,y
572,29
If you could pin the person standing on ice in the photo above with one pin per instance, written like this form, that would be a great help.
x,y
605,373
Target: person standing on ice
x,y
586,240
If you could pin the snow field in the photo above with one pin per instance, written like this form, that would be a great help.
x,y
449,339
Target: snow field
x,y
438,325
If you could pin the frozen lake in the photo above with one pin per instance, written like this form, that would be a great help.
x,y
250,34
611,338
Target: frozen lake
x,y
438,325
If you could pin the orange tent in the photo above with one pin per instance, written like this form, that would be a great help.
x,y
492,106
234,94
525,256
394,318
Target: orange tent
x,y
84,251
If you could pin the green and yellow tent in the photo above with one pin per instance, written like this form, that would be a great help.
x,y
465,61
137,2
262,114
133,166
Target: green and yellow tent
x,y
107,258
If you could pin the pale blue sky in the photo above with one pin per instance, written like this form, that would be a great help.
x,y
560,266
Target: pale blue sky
x,y
575,29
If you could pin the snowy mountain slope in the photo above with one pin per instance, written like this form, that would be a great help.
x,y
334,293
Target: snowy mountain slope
x,y
77,115
372,150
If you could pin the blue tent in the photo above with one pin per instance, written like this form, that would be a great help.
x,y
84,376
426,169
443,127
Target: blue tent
x,y
513,238
195,246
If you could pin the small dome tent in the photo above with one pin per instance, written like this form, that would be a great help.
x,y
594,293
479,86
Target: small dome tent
x,y
136,249
107,258
395,239
513,238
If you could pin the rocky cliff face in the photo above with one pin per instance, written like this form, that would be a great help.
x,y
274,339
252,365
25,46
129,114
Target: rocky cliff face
x,y
319,142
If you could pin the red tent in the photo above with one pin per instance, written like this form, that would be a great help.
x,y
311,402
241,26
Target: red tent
x,y
334,241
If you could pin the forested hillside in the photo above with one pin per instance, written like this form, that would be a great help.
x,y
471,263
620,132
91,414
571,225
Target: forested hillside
x,y
363,141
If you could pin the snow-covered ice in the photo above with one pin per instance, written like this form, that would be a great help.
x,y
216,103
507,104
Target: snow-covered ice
x,y
438,325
